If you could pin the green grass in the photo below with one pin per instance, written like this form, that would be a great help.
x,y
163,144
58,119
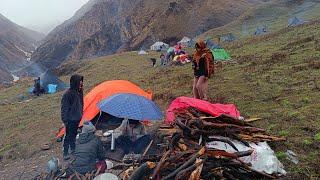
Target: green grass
x,y
317,137
281,155
275,17
273,79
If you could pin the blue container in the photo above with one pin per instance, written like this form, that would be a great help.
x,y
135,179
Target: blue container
x,y
52,88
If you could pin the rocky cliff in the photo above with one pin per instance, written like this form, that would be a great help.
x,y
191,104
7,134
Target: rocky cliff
x,y
104,27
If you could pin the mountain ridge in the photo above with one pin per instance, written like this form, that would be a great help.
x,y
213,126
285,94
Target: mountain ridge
x,y
104,27
16,45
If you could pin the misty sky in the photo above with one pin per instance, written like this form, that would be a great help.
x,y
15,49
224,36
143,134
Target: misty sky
x,y
39,15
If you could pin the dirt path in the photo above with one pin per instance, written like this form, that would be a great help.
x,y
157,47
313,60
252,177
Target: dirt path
x,y
29,168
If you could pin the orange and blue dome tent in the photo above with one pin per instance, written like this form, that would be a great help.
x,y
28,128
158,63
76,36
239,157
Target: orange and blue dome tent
x,y
103,91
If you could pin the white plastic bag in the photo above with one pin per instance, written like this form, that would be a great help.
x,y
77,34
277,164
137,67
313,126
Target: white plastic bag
x,y
262,159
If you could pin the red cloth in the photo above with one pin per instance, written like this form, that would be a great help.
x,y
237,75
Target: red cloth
x,y
183,57
204,106
102,165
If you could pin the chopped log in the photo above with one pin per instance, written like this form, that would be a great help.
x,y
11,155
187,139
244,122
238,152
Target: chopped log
x,y
243,153
160,164
225,141
195,175
220,154
182,173
229,176
186,130
236,137
143,171
175,139
226,125
180,155
271,138
186,164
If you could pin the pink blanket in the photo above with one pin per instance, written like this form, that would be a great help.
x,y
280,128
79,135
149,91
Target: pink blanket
x,y
204,106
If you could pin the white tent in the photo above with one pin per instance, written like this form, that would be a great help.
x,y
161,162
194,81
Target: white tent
x,y
158,46
184,41
142,52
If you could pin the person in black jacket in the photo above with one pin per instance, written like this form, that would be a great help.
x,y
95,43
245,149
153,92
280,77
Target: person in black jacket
x,y
88,150
37,90
71,113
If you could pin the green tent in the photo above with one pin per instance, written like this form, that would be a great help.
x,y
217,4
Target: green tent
x,y
220,55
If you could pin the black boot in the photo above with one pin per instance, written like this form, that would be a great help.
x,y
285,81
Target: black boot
x,y
66,155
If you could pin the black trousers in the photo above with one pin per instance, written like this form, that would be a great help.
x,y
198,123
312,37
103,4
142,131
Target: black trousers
x,y
70,136
138,146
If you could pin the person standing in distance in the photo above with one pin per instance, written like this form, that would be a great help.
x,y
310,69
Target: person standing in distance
x,y
71,113
203,68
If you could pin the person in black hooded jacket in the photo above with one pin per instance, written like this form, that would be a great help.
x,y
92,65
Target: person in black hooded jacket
x,y
71,113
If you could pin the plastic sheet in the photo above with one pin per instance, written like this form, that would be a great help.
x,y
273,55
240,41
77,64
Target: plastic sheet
x,y
263,158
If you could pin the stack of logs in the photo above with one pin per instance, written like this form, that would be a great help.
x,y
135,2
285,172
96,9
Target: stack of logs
x,y
187,157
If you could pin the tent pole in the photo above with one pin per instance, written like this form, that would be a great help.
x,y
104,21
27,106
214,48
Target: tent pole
x,y
98,118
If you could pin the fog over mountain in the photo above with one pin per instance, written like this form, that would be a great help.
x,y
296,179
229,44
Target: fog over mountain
x,y
40,15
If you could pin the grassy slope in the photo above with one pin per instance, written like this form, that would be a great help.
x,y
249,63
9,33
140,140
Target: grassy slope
x,y
275,17
282,91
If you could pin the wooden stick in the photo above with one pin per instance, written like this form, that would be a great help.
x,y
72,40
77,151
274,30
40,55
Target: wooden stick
x,y
186,164
145,152
196,174
190,168
225,125
252,119
98,171
225,141
142,171
160,164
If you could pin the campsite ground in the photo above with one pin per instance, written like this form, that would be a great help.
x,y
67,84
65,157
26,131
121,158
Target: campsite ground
x,y
275,77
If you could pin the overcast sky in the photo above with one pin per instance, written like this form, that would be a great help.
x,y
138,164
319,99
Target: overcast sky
x,y
39,15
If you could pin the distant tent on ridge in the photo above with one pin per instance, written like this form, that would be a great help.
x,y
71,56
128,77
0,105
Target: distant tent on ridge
x,y
295,22
245,31
261,30
159,46
142,52
48,79
227,37
184,41
212,45
192,42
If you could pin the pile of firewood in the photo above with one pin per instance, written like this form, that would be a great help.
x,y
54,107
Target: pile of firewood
x,y
187,157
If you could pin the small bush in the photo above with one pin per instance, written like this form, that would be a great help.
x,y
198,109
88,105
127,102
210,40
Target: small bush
x,y
284,133
307,142
281,155
306,100
317,137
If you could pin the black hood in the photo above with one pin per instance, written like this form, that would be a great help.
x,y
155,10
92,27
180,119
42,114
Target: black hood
x,y
75,82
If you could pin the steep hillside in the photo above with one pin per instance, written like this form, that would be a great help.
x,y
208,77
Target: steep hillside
x,y
275,77
273,14
16,45
5,76
104,27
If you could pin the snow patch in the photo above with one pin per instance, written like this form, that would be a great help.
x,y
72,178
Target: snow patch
x,y
15,78
27,54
